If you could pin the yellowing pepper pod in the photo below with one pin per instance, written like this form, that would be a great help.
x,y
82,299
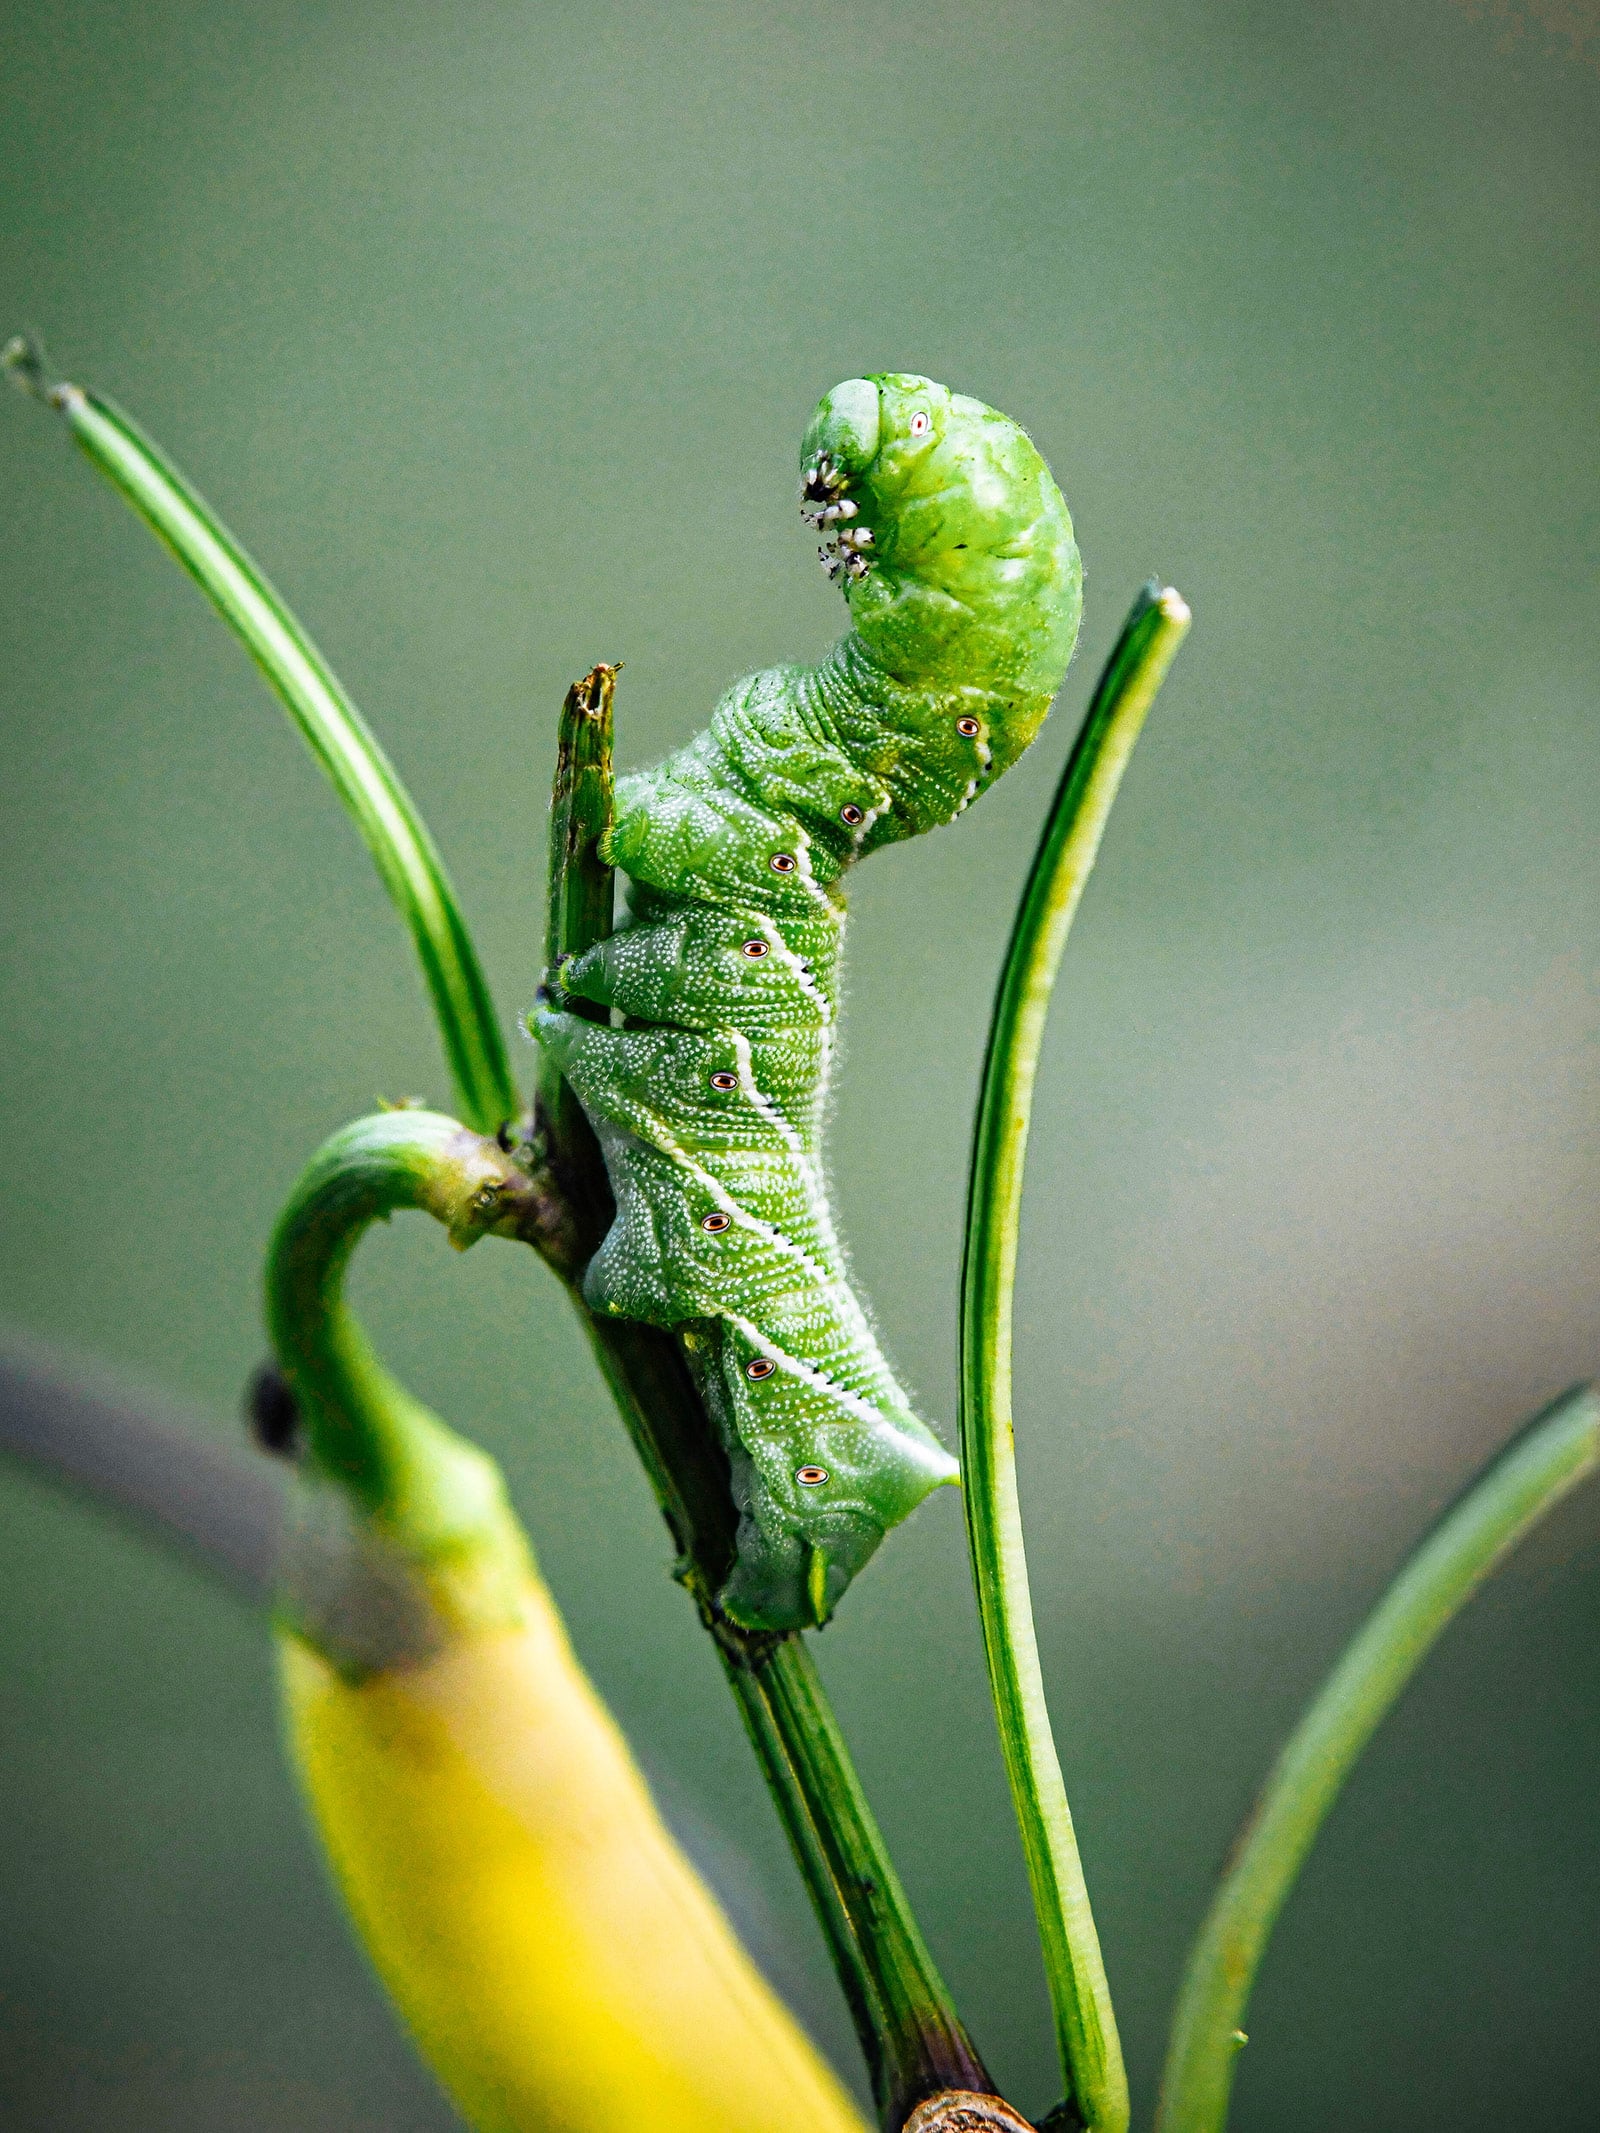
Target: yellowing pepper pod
x,y
557,1958
559,1961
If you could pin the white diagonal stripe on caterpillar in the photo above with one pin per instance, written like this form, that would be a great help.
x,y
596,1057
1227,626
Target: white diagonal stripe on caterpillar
x,y
808,1373
810,1177
666,1142
796,965
802,860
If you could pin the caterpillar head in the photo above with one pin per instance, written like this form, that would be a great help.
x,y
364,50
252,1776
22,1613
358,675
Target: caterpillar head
x,y
952,543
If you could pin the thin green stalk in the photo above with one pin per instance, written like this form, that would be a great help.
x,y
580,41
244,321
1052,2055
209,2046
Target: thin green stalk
x,y
1086,2032
359,1424
1541,1465
911,2036
362,775
919,2047
791,1798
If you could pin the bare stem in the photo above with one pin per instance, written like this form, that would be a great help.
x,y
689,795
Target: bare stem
x,y
914,2041
1086,2031
582,880
1542,1464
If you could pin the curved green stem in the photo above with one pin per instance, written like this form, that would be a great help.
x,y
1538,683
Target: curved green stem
x,y
362,775
1557,1450
1086,2031
413,1493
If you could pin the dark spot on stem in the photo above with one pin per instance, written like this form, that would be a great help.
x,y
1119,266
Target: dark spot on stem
x,y
273,1411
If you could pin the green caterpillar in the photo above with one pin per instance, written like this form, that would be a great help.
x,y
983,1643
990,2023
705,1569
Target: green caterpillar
x,y
956,555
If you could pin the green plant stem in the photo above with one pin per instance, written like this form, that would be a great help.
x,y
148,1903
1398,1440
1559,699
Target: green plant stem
x,y
402,1533
582,882
363,1431
915,2043
910,2033
1546,1460
1086,2032
581,889
407,858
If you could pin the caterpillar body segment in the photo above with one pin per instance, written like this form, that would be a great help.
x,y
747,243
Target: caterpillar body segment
x,y
956,554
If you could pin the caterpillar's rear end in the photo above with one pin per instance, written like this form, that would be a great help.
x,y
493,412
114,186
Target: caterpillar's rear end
x,y
956,555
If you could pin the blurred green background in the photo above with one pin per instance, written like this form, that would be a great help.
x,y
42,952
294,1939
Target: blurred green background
x,y
492,330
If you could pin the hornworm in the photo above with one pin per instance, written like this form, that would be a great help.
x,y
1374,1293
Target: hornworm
x,y
954,549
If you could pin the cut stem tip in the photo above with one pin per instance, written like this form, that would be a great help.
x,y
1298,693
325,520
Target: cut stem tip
x,y
27,366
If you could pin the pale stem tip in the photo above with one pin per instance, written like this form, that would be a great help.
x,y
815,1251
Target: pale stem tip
x,y
24,362
1173,605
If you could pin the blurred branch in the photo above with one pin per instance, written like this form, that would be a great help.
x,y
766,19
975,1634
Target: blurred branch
x,y
1542,1464
362,775
222,1505
1091,2056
